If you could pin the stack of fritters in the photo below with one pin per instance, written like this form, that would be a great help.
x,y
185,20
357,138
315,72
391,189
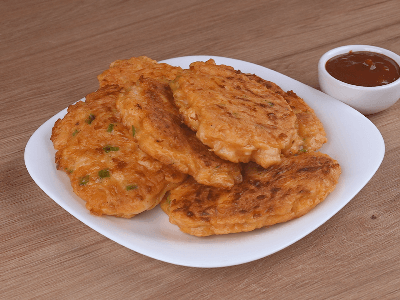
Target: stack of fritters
x,y
105,165
149,107
245,146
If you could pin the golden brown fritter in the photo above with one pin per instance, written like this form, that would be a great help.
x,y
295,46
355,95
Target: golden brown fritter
x,y
280,193
104,163
237,117
310,127
126,72
148,109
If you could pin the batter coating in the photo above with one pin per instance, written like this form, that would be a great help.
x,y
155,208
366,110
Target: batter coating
x,y
104,163
148,108
266,197
126,72
240,119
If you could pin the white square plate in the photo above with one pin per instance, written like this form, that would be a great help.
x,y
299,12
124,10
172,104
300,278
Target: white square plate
x,y
353,141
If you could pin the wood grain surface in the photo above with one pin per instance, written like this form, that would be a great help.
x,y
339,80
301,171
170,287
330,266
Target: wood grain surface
x,y
50,55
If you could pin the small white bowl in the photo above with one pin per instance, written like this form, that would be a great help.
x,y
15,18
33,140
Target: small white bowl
x,y
367,100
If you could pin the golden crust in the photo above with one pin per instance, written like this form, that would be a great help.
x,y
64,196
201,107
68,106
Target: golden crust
x,y
266,197
238,118
149,107
105,166
122,170
126,72
310,128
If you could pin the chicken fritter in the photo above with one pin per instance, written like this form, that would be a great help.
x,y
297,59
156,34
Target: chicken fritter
x,y
126,72
104,163
277,194
148,109
310,127
240,119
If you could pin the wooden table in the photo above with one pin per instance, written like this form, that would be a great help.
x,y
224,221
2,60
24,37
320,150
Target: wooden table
x,y
51,53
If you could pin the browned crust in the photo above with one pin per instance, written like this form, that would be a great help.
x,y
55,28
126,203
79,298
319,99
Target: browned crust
x,y
265,197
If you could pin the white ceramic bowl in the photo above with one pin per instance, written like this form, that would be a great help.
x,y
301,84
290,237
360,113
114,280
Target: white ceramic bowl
x,y
367,100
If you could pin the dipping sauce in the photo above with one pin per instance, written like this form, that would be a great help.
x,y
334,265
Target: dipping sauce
x,y
363,68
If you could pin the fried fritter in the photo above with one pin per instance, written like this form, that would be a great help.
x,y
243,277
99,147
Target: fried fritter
x,y
280,193
240,119
126,72
105,166
310,127
148,109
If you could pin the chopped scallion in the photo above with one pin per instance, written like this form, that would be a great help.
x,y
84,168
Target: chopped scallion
x,y
133,130
84,180
70,171
110,127
90,119
131,187
109,148
104,173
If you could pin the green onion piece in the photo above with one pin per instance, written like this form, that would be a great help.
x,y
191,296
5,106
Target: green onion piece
x,y
271,104
110,127
133,130
168,200
84,180
90,119
75,132
70,171
104,173
131,187
109,148
303,150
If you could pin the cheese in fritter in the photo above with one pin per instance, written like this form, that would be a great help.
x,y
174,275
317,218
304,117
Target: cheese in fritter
x,y
148,109
277,194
